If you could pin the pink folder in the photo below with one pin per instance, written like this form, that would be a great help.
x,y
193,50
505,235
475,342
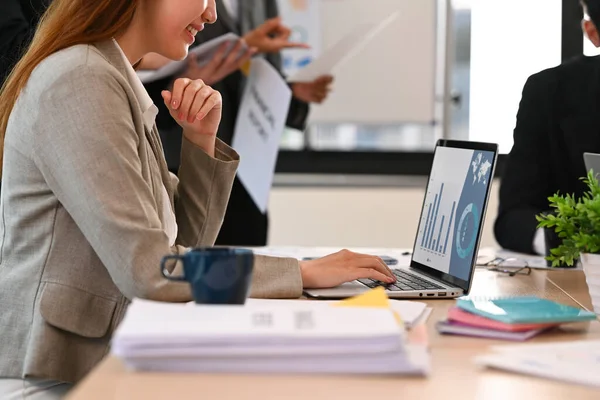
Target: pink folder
x,y
457,315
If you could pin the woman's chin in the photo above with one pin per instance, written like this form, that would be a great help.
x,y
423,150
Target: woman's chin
x,y
176,53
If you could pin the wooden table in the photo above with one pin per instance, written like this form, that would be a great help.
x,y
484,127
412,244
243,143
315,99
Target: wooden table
x,y
573,284
454,375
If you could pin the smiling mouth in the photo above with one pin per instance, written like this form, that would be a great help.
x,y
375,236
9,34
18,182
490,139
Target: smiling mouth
x,y
191,30
194,29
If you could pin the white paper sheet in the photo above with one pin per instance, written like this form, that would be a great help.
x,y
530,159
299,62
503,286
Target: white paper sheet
x,y
204,52
257,322
342,51
422,319
412,361
411,312
305,24
259,126
576,362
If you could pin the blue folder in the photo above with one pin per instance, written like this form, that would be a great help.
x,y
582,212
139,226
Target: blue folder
x,y
523,310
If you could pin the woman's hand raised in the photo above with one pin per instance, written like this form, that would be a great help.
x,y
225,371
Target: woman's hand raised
x,y
197,109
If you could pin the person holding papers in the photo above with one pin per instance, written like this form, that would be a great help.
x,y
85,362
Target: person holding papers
x,y
270,38
558,120
258,23
88,207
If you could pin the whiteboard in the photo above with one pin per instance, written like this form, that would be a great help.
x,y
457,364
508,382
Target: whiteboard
x,y
391,81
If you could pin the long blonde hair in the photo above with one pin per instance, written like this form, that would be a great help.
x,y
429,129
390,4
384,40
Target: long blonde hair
x,y
66,23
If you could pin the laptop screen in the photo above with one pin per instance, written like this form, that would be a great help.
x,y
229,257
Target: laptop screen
x,y
453,212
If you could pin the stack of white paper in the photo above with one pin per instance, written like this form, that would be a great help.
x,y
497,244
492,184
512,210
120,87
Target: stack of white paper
x,y
265,339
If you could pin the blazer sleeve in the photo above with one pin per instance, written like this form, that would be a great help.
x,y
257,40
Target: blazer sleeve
x,y
526,179
297,114
273,277
15,33
92,164
202,192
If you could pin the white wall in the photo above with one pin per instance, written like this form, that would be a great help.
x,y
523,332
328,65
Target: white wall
x,y
396,71
353,217
510,40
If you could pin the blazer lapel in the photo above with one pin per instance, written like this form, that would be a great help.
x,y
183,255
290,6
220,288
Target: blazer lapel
x,y
156,146
150,117
112,53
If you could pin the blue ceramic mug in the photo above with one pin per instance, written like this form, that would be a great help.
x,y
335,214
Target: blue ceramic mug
x,y
216,275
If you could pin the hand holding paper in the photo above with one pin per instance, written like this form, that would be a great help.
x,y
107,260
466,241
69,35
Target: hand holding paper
x,y
272,37
313,92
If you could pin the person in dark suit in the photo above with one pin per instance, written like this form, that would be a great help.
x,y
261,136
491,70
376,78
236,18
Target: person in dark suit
x,y
18,22
558,120
258,23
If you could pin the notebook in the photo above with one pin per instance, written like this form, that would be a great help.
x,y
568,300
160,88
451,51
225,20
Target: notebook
x,y
456,328
523,310
457,315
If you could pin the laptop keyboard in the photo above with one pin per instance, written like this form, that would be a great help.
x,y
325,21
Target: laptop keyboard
x,y
404,281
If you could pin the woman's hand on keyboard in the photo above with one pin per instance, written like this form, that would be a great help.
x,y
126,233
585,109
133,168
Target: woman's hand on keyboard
x,y
343,266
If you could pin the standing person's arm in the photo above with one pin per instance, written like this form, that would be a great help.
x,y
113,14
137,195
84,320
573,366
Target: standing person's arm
x,y
526,181
271,38
299,108
15,35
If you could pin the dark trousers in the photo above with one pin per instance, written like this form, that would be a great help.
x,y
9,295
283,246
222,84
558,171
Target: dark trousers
x,y
244,224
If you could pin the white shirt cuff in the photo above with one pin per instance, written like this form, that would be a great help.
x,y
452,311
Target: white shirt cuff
x,y
539,242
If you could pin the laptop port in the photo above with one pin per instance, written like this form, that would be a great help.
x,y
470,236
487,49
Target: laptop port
x,y
430,294
442,294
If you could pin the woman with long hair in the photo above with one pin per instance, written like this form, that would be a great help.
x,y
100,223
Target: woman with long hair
x,y
88,207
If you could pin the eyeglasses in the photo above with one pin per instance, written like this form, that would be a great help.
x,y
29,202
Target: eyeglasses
x,y
510,266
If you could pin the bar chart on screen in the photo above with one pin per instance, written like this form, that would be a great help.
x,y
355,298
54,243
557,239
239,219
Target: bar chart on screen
x,y
442,218
438,224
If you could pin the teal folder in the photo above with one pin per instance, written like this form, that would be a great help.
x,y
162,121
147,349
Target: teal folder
x,y
523,310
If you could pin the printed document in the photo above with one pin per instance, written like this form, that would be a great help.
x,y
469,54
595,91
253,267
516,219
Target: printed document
x,y
258,129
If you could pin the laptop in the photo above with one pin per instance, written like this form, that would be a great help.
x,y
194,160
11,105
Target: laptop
x,y
447,241
592,162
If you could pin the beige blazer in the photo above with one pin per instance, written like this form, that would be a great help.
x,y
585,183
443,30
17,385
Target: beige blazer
x,y
80,215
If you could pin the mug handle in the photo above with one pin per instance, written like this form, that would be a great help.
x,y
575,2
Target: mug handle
x,y
164,271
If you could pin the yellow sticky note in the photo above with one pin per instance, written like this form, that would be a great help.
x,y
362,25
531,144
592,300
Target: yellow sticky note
x,y
245,68
374,298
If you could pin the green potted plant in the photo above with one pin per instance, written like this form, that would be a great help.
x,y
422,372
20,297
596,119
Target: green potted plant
x,y
577,223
